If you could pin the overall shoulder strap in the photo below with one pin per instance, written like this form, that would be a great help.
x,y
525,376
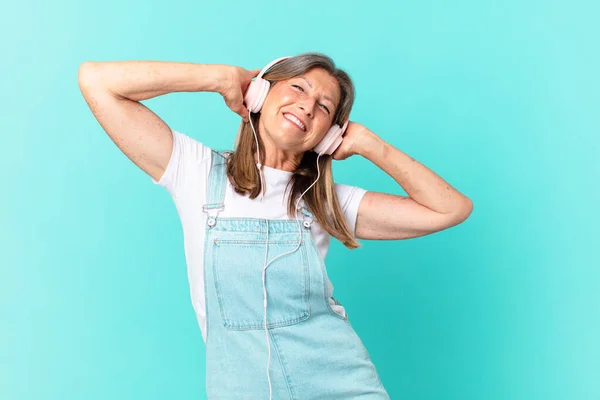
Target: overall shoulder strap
x,y
217,180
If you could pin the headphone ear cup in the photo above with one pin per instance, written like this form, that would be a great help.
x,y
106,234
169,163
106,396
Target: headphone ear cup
x,y
256,94
332,140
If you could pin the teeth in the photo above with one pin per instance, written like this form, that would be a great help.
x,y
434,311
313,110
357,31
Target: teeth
x,y
294,120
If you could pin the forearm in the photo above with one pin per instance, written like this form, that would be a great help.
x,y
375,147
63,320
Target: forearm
x,y
141,80
422,184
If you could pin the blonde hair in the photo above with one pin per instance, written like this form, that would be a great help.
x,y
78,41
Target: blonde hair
x,y
241,167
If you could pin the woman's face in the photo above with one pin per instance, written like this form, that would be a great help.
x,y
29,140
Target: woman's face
x,y
312,98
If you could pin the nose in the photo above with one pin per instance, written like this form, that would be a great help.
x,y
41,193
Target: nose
x,y
308,107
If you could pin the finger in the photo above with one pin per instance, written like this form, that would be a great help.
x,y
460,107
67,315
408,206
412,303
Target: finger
x,y
236,102
241,110
245,114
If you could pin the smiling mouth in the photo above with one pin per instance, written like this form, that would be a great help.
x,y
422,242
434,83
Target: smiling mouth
x,y
295,121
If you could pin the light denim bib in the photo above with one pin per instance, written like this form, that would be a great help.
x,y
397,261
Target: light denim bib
x,y
315,352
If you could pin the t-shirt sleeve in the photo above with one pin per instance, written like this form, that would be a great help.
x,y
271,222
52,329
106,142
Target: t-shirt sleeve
x,y
350,197
183,164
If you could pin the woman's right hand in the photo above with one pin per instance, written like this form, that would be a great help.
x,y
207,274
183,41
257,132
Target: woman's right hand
x,y
235,85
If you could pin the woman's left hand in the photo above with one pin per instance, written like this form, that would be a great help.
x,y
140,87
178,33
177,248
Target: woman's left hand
x,y
355,135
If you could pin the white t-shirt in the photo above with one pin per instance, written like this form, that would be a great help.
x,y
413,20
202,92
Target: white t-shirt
x,y
186,178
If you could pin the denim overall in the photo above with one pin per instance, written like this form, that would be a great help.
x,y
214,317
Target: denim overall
x,y
315,353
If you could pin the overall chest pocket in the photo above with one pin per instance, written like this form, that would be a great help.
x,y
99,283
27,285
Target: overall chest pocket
x,y
237,271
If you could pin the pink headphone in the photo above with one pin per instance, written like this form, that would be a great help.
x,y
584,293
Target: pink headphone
x,y
257,93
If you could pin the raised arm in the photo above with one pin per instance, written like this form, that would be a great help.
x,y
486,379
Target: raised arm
x,y
113,91
432,204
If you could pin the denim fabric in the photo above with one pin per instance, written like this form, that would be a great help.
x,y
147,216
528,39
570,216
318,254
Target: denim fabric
x,y
315,352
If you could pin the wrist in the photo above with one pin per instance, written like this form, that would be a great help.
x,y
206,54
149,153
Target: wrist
x,y
214,77
369,145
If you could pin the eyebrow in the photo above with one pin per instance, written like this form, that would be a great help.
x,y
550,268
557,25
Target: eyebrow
x,y
324,96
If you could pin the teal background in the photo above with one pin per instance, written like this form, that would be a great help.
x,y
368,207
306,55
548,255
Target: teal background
x,y
500,99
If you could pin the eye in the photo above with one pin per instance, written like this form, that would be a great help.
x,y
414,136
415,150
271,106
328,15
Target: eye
x,y
322,105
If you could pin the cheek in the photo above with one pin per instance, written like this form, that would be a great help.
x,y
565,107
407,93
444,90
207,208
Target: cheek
x,y
286,97
322,131
274,102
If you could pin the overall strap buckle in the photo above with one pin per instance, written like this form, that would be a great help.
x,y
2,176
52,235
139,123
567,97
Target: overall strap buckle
x,y
212,210
306,216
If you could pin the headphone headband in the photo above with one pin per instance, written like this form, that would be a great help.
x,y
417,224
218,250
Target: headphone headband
x,y
269,65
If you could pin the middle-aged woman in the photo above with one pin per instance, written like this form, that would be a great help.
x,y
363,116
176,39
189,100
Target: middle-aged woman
x,y
258,280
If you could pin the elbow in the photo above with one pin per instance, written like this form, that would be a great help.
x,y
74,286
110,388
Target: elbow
x,y
86,74
465,210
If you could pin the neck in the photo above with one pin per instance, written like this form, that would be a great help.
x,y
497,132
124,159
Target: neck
x,y
278,163
279,159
